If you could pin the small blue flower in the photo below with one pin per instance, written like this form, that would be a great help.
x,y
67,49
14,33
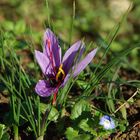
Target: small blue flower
x,y
107,122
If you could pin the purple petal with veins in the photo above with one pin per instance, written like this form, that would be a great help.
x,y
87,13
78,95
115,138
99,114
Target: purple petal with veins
x,y
82,65
43,62
51,47
70,55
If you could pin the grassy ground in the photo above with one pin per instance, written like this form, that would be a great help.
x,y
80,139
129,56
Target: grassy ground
x,y
109,85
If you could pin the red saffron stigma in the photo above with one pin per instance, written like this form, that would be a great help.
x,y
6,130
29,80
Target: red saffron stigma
x,y
50,52
54,98
55,94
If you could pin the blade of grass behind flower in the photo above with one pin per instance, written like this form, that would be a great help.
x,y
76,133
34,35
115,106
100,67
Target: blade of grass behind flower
x,y
2,54
18,75
106,68
110,100
110,38
18,92
72,23
48,13
38,115
30,120
103,43
18,65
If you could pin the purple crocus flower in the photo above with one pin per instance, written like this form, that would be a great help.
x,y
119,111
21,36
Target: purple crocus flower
x,y
107,122
56,70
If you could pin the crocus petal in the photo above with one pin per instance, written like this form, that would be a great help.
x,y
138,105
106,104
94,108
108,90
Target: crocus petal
x,y
70,55
44,89
82,65
51,47
43,62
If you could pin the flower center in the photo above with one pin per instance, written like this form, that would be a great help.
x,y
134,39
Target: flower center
x,y
60,74
106,123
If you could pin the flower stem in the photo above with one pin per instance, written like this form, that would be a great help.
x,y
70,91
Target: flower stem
x,y
15,128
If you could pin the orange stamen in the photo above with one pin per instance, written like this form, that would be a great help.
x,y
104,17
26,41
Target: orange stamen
x,y
60,71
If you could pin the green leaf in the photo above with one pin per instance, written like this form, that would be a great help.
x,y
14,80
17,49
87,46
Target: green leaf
x,y
112,92
3,134
1,130
110,99
111,104
85,126
20,27
83,137
43,107
124,113
53,115
79,107
8,24
122,124
122,127
82,84
71,133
